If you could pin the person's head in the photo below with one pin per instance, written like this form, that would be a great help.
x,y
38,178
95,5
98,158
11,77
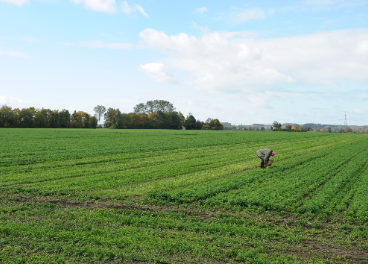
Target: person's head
x,y
273,153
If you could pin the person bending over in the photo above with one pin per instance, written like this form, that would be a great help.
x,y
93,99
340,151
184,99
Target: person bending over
x,y
264,155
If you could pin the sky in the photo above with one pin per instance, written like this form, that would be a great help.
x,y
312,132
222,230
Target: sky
x,y
242,62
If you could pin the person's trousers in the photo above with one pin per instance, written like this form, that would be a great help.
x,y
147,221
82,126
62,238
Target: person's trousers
x,y
262,160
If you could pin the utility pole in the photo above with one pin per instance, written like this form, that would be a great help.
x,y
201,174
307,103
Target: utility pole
x,y
346,121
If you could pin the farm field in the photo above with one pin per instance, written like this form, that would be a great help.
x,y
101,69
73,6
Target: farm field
x,y
167,196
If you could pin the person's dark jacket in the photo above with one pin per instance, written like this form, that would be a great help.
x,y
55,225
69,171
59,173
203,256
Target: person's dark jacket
x,y
264,154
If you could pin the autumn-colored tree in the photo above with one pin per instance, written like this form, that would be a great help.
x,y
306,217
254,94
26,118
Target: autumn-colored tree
x,y
109,117
136,120
216,125
86,123
296,127
348,130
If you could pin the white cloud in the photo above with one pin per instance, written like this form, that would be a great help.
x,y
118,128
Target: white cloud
x,y
11,101
15,2
362,47
233,63
128,9
107,6
201,10
240,16
13,54
158,71
100,44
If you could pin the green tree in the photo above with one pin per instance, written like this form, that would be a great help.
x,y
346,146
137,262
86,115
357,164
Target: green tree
x,y
198,125
26,118
276,125
93,122
109,117
7,117
190,122
64,118
99,110
118,120
154,106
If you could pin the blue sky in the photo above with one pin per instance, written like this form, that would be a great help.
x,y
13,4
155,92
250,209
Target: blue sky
x,y
242,62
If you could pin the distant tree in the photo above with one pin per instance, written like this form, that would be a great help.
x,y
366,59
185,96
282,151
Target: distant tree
x,y
288,128
7,116
348,130
154,106
182,118
276,125
198,125
190,122
262,129
216,125
26,118
86,121
93,122
140,109
296,127
64,118
54,119
329,129
99,110
118,120
109,117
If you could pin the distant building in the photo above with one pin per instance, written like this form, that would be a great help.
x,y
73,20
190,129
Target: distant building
x,y
226,124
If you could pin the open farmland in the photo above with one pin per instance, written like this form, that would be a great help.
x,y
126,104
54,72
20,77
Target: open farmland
x,y
165,196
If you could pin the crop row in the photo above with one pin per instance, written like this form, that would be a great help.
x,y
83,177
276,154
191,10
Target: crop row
x,y
101,173
206,191
27,146
289,189
85,235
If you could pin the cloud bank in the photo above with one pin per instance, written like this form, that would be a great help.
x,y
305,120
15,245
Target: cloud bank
x,y
233,62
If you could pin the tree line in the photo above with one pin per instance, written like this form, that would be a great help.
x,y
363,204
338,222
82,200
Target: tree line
x,y
157,114
44,118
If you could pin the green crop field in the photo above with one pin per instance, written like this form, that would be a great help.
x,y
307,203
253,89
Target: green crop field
x,y
167,196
